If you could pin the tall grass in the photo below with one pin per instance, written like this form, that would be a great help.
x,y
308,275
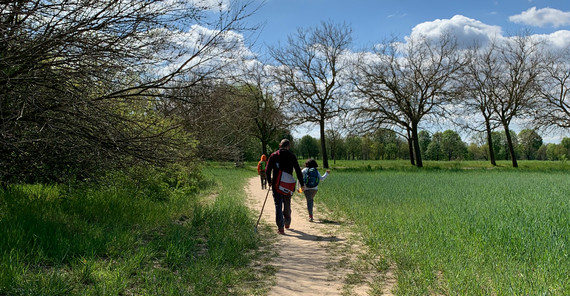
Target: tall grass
x,y
143,236
462,232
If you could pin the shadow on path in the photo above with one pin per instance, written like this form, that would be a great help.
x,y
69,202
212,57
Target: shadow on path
x,y
310,237
326,221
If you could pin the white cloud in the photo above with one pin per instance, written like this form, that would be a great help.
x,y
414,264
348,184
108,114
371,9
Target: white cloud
x,y
206,49
211,4
467,31
558,40
542,17
399,15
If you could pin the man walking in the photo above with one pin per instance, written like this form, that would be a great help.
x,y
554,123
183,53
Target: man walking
x,y
282,162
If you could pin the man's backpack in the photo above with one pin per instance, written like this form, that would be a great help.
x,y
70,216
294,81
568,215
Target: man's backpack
x,y
312,178
284,182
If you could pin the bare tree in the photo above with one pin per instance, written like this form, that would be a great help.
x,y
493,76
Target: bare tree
x,y
80,79
309,72
266,111
554,110
218,116
478,88
403,83
517,83
334,138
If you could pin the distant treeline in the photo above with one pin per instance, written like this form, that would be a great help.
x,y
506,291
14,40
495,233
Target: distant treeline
x,y
444,146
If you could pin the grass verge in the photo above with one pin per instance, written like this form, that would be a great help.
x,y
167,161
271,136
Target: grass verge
x,y
125,237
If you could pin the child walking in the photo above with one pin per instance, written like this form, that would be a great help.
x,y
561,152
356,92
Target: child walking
x,y
311,176
261,166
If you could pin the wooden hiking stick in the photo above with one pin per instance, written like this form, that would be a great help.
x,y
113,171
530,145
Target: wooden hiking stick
x,y
262,209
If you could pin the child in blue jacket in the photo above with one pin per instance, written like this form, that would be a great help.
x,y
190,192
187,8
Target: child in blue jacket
x,y
311,176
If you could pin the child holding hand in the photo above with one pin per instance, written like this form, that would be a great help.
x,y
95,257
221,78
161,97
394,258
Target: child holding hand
x,y
312,177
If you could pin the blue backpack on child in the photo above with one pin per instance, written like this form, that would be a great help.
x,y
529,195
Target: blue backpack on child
x,y
312,178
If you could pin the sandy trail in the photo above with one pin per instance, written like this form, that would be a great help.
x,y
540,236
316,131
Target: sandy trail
x,y
313,257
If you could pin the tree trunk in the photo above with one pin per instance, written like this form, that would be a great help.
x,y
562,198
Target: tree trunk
x,y
411,148
264,148
418,154
510,144
490,143
323,145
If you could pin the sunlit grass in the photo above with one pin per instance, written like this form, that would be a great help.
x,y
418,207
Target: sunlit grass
x,y
134,237
465,231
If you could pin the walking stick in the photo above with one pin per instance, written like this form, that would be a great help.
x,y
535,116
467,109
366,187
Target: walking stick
x,y
266,195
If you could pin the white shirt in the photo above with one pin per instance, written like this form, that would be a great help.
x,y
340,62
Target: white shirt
x,y
305,170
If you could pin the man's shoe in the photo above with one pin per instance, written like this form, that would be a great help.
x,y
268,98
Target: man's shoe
x,y
280,231
287,226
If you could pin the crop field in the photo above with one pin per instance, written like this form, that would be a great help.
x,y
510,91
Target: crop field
x,y
461,231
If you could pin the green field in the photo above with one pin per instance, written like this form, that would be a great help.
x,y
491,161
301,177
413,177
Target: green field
x,y
461,230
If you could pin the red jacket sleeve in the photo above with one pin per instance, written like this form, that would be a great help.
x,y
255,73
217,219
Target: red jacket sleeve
x,y
270,167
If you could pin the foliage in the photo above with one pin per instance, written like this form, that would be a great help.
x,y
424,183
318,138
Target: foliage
x,y
308,147
475,152
552,151
80,82
425,140
501,146
217,115
556,152
399,165
336,143
443,146
353,144
452,146
434,150
230,123
529,143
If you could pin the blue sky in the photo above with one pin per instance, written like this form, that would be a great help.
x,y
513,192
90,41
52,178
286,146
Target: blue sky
x,y
374,21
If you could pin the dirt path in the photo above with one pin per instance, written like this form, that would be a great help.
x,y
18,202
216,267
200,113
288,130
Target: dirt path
x,y
314,258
